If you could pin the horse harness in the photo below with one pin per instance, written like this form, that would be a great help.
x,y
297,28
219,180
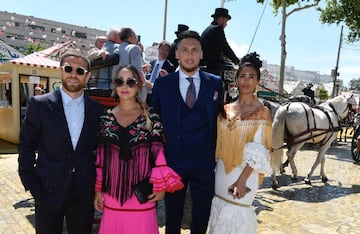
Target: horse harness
x,y
292,139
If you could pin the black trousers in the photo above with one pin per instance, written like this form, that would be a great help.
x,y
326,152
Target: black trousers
x,y
78,215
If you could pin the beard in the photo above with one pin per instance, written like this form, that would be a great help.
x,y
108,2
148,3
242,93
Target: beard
x,y
190,69
73,88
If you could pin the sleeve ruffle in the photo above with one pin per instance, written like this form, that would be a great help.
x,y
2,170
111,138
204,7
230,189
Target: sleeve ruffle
x,y
257,157
165,178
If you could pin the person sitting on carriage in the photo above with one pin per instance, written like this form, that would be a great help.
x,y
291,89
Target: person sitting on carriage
x,y
309,92
215,45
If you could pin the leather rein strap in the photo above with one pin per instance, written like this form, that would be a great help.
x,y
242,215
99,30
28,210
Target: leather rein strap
x,y
290,141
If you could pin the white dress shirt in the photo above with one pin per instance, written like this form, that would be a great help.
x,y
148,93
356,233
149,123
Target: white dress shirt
x,y
161,63
75,113
184,83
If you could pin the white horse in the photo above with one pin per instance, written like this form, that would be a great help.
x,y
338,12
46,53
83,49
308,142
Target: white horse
x,y
297,123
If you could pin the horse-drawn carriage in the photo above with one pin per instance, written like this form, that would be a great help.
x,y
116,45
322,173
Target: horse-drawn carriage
x,y
297,123
355,142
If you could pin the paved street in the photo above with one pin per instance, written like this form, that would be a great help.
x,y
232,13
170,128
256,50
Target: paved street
x,y
333,207
295,207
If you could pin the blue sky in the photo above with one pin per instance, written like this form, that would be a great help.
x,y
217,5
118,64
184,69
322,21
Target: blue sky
x,y
310,45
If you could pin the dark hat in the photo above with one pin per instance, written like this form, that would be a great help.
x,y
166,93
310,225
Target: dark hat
x,y
181,28
221,12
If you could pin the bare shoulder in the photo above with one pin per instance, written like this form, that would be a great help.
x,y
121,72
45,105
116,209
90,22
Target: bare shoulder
x,y
265,112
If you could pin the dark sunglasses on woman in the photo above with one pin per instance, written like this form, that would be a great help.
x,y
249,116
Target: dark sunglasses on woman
x,y
80,70
131,82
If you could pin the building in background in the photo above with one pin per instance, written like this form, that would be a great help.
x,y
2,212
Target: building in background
x,y
20,30
295,80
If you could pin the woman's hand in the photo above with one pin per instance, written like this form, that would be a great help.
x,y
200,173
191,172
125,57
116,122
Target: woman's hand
x,y
238,190
156,196
99,201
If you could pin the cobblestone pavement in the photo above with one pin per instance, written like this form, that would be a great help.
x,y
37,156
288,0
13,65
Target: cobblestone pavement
x,y
333,207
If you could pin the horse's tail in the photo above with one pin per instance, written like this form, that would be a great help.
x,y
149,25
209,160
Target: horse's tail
x,y
278,137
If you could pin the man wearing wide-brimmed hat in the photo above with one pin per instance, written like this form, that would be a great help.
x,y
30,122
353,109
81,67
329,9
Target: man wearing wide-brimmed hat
x,y
215,45
171,57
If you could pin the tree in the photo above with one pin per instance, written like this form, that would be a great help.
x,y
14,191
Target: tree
x,y
323,94
33,47
284,4
346,11
355,84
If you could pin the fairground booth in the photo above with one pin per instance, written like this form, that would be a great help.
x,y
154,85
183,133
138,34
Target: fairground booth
x,y
18,80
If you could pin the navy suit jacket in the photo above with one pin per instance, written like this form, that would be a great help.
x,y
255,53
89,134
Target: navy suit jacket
x,y
167,66
167,100
45,130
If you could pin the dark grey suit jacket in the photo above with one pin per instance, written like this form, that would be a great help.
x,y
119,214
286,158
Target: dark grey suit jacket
x,y
48,175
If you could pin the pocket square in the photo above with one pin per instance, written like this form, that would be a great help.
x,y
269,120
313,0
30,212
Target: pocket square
x,y
216,95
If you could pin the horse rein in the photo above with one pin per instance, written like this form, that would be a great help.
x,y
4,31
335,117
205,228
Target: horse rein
x,y
291,140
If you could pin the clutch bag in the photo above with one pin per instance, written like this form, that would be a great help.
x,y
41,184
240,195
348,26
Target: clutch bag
x,y
142,190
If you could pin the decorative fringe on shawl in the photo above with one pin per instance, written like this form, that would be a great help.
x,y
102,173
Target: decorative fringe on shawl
x,y
120,175
231,139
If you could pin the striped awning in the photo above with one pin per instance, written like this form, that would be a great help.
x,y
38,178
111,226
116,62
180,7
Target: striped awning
x,y
36,60
55,52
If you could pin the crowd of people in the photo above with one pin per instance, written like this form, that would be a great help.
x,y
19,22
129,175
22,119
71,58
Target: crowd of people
x,y
168,134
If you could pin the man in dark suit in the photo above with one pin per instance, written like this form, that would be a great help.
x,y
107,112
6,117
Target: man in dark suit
x,y
159,67
215,45
188,102
62,128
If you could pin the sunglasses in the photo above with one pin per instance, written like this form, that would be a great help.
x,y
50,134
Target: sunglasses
x,y
80,70
131,82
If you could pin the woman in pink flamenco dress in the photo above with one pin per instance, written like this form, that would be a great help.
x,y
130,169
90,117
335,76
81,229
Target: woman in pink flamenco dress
x,y
130,150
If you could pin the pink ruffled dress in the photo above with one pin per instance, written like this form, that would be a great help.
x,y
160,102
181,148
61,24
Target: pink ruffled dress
x,y
124,157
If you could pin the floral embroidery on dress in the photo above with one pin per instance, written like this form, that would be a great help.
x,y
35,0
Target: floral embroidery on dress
x,y
109,128
108,125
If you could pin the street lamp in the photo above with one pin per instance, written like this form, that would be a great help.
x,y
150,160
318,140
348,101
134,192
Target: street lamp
x,y
334,72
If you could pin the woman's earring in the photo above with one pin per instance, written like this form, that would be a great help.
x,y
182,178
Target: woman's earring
x,y
256,90
234,91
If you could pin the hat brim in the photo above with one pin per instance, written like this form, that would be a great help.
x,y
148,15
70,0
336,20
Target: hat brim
x,y
227,16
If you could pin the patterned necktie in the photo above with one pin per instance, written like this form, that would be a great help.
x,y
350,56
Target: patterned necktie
x,y
154,73
190,93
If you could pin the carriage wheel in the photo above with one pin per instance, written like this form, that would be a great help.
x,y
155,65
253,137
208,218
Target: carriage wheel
x,y
355,147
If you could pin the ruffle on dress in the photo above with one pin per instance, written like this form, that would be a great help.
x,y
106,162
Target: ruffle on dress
x,y
165,178
227,218
257,157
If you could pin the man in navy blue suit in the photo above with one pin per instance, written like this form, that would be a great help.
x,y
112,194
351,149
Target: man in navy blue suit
x,y
190,129
62,127
158,67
